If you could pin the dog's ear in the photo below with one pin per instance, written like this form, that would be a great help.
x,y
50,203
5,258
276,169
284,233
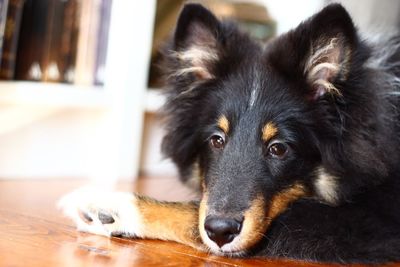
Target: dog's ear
x,y
319,50
195,44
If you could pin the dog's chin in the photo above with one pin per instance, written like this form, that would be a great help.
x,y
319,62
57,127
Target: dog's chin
x,y
227,252
232,249
231,254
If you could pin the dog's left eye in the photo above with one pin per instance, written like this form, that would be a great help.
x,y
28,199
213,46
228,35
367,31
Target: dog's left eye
x,y
278,150
217,141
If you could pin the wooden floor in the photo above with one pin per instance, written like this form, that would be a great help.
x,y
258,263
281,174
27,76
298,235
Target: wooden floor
x,y
34,233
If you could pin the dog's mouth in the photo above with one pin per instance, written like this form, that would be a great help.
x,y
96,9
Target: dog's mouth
x,y
234,237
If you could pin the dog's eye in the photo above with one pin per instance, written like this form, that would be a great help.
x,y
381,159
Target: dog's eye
x,y
278,150
217,141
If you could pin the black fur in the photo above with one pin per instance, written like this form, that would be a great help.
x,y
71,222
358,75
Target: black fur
x,y
353,135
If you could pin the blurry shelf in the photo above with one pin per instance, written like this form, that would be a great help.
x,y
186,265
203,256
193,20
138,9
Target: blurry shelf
x,y
155,99
67,95
53,94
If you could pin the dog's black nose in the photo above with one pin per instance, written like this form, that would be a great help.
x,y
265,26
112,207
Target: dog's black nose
x,y
222,231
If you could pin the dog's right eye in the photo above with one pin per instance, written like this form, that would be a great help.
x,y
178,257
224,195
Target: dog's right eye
x,y
217,141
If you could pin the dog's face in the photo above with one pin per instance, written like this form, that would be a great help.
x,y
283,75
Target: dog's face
x,y
249,118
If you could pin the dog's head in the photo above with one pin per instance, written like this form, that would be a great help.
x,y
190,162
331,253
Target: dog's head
x,y
261,124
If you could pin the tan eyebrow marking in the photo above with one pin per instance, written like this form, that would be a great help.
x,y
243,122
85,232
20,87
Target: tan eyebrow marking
x,y
269,131
223,123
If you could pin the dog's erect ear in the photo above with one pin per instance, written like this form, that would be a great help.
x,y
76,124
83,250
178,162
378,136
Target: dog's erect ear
x,y
319,50
190,59
328,60
195,43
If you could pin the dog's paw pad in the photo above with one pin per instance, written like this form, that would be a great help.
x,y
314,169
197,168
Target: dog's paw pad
x,y
105,218
85,217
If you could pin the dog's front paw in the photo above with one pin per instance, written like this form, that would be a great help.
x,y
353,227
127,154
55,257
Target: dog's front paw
x,y
103,213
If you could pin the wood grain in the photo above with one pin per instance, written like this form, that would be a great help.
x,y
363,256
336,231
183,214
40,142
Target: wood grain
x,y
34,233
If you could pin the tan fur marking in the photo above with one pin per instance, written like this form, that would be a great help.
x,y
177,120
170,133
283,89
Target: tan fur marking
x,y
321,51
198,71
257,218
198,53
254,224
269,131
333,67
281,201
170,221
330,88
203,214
327,62
223,123
197,59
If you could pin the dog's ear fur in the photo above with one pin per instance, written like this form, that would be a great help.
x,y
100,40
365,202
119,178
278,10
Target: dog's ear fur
x,y
318,51
190,60
194,47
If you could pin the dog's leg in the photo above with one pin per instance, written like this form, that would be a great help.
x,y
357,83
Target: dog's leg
x,y
129,215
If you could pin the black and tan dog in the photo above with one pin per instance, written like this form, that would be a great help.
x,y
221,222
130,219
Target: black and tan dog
x,y
295,144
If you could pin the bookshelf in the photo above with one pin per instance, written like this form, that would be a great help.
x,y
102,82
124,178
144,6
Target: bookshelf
x,y
84,131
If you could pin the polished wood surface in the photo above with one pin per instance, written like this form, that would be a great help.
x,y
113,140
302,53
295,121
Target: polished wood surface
x,y
34,233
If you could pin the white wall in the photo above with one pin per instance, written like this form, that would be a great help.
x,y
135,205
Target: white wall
x,y
374,16
289,13
61,144
152,161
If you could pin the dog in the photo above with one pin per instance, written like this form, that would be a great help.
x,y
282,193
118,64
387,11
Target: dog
x,y
294,145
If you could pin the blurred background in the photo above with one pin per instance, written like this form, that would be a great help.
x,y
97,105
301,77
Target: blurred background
x,y
80,91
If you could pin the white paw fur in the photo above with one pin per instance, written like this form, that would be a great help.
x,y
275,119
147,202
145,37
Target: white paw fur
x,y
91,202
